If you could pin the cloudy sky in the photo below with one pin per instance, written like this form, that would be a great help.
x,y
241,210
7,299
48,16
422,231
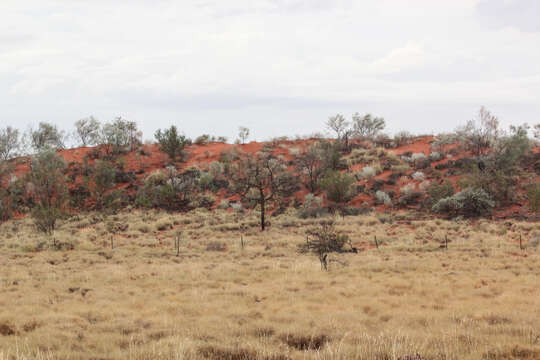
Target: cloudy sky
x,y
279,67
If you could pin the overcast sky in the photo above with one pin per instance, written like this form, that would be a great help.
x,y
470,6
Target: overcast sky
x,y
279,67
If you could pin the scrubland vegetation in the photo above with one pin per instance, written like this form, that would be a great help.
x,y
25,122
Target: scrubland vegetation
x,y
360,246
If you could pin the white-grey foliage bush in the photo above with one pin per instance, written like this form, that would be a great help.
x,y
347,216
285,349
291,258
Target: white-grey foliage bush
x,y
417,156
367,172
224,204
312,201
383,197
418,175
407,189
237,206
468,202
424,185
435,156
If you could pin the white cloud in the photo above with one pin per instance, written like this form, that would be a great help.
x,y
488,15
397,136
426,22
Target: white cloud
x,y
64,59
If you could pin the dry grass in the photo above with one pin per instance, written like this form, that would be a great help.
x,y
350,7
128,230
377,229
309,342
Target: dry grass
x,y
409,299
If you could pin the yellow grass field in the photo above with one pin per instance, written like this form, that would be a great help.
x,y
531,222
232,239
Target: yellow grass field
x,y
409,299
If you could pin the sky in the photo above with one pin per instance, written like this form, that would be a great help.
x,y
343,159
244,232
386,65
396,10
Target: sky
x,y
278,67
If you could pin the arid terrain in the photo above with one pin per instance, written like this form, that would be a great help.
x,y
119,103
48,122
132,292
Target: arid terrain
x,y
410,298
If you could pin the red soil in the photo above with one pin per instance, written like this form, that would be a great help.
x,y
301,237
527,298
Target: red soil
x,y
201,155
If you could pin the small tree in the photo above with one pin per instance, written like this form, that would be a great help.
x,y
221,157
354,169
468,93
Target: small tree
x,y
87,131
338,124
243,134
533,197
171,142
536,131
262,178
324,240
508,151
479,134
48,190
367,126
9,143
338,188
310,166
119,135
104,180
46,136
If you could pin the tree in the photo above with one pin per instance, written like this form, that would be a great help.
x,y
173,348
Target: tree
x,y
243,134
119,134
9,143
337,124
536,131
262,178
171,142
479,134
367,126
46,136
87,131
509,150
48,190
338,187
310,166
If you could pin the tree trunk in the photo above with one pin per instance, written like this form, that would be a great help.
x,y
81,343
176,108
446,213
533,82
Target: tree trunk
x,y
262,202
262,213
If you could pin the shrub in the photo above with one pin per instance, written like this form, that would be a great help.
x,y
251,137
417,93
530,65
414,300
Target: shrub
x,y
424,185
533,197
383,198
400,169
435,156
312,207
156,178
402,138
204,139
203,201
367,172
418,175
439,191
324,240
470,202
171,142
104,180
338,186
223,204
237,206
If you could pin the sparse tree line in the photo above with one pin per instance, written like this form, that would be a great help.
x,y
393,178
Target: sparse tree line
x,y
498,167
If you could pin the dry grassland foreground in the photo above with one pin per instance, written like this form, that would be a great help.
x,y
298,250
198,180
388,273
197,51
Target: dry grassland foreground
x,y
409,299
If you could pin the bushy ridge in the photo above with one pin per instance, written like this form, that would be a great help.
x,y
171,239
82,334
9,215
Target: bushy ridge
x,y
362,167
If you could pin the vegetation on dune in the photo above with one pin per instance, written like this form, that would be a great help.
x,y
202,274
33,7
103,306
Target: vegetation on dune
x,y
478,170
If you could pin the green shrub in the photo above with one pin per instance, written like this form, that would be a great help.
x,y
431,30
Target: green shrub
x,y
470,202
338,186
533,197
437,191
171,142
